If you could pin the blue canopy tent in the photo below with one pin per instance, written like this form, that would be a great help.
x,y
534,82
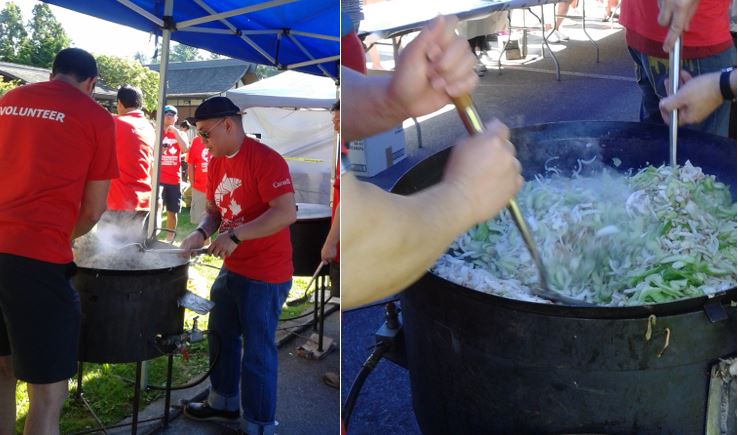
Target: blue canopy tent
x,y
302,35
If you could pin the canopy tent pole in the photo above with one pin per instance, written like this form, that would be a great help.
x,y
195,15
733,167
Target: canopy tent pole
x,y
307,53
154,217
313,62
231,13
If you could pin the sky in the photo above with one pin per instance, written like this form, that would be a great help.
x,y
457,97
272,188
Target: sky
x,y
92,34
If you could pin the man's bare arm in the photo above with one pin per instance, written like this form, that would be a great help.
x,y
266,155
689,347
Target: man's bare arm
x,y
94,202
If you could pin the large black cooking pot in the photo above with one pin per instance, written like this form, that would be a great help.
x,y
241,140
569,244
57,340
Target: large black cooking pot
x,y
483,364
123,311
308,234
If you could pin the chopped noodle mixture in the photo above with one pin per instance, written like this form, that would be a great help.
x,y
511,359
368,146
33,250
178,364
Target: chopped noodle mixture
x,y
656,236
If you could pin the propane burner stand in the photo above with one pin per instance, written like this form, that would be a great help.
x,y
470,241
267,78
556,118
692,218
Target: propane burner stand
x,y
164,418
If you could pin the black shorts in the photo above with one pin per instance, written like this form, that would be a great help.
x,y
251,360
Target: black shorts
x,y
334,272
40,322
171,196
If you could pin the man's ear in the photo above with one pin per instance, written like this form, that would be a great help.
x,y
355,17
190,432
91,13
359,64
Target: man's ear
x,y
89,85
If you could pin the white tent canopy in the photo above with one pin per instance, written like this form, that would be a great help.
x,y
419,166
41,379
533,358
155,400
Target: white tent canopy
x,y
289,89
290,113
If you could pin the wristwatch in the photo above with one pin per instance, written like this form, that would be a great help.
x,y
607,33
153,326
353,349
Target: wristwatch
x,y
725,89
233,237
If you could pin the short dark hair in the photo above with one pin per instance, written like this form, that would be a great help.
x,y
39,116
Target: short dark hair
x,y
185,124
75,62
130,97
336,106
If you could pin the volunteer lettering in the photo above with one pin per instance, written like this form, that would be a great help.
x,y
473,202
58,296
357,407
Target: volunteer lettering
x,y
32,112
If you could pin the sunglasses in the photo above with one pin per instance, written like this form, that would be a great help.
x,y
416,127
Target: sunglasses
x,y
170,114
205,135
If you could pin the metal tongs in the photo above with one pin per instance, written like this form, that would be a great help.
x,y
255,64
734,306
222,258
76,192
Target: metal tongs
x,y
178,251
474,125
675,56
146,247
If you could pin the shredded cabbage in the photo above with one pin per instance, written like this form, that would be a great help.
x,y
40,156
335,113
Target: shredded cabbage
x,y
657,236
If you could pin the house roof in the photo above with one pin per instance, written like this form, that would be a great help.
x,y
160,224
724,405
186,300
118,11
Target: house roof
x,y
31,74
203,78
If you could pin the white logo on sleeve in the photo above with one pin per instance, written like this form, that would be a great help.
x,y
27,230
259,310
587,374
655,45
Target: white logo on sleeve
x,y
225,199
284,182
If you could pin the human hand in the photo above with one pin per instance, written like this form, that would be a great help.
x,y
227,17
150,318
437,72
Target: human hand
x,y
695,100
193,241
328,251
676,14
484,170
222,246
434,66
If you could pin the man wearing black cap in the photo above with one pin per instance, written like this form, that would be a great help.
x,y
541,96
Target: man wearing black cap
x,y
251,199
57,155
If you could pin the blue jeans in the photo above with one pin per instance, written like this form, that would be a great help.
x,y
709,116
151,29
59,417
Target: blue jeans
x,y
245,319
652,71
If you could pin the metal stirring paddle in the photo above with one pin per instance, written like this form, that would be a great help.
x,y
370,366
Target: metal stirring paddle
x,y
474,125
675,56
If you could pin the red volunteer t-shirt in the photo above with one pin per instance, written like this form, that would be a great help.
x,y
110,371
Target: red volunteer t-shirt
x,y
708,34
53,139
134,143
199,157
169,172
242,186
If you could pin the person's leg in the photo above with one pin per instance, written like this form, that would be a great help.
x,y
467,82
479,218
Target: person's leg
x,y
7,396
171,197
171,224
650,73
46,401
261,305
561,10
42,316
197,208
224,342
610,7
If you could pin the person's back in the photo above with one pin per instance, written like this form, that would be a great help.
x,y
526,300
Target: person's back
x,y
57,156
49,135
134,138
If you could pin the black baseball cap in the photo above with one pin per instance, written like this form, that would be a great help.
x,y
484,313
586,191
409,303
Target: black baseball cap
x,y
216,107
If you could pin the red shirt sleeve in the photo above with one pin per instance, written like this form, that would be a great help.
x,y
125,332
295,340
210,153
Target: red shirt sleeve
x,y
274,178
104,164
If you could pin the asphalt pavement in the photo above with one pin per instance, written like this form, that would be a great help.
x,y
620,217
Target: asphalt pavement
x,y
305,405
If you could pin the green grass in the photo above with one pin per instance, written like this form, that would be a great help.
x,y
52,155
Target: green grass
x,y
109,387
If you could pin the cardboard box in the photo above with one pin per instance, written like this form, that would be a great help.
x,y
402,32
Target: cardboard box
x,y
374,154
517,48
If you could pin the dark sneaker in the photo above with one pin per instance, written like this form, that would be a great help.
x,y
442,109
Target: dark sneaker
x,y
203,412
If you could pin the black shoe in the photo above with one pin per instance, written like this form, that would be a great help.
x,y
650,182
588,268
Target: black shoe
x,y
203,412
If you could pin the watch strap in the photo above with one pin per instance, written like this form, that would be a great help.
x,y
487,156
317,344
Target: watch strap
x,y
725,89
232,235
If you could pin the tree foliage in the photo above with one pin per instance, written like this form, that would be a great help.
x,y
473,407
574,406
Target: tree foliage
x,y
47,37
183,53
117,71
13,34
5,86
141,57
265,71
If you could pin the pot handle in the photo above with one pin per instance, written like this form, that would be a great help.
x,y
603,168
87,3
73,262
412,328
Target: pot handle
x,y
150,241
